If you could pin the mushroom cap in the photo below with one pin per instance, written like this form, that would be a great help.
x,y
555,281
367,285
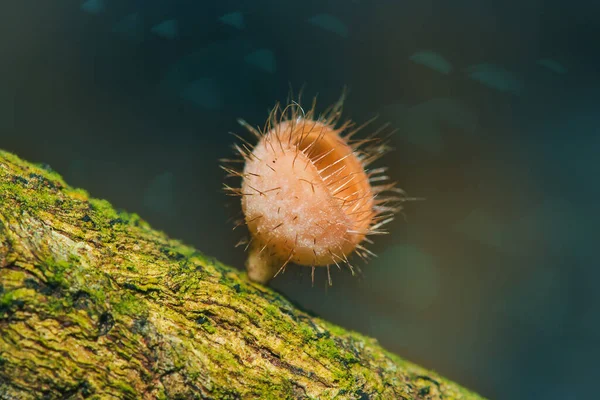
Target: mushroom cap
x,y
306,196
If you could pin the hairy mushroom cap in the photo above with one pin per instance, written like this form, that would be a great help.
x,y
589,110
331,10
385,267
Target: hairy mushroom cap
x,y
307,196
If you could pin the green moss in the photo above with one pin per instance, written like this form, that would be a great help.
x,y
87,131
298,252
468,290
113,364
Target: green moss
x,y
129,304
274,389
135,220
103,210
226,359
336,330
48,173
272,310
205,323
7,300
209,328
220,393
12,300
328,349
57,279
56,266
126,389
306,333
280,321
162,395
40,169
97,296
253,318
56,305
79,194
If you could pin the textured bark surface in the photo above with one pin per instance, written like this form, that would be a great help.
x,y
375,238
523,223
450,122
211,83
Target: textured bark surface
x,y
96,304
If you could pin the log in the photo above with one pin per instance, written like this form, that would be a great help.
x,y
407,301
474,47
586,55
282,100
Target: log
x,y
94,303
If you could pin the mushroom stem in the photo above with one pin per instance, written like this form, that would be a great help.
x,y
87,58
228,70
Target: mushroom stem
x,y
261,266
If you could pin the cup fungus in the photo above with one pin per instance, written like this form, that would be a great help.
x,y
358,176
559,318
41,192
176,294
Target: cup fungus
x,y
306,193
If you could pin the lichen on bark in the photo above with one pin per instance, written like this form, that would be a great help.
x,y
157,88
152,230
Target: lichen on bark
x,y
94,303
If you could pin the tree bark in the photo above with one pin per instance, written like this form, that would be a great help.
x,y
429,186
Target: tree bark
x,y
94,303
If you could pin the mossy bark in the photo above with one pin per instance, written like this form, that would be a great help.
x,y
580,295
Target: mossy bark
x,y
94,303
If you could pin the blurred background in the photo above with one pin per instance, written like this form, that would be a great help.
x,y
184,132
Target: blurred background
x,y
491,281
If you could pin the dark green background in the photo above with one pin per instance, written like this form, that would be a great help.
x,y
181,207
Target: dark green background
x,y
492,281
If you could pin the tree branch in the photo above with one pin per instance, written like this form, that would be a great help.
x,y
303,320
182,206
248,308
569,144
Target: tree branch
x,y
96,304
